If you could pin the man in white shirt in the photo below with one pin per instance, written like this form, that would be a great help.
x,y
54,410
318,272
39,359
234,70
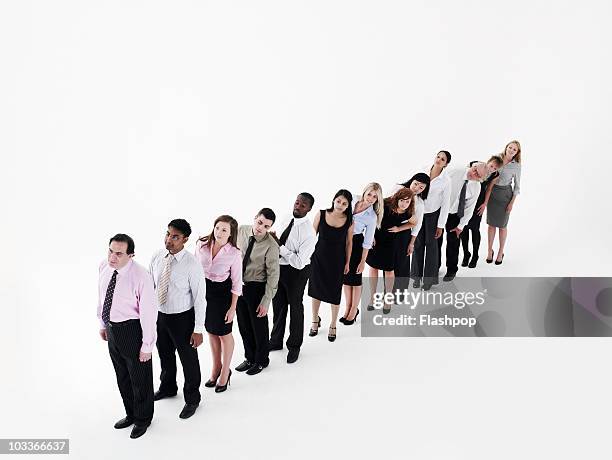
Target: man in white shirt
x,y
465,190
296,245
181,294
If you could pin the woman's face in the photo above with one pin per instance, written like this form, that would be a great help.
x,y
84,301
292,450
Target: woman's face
x,y
417,187
441,160
511,150
370,197
340,204
222,232
403,204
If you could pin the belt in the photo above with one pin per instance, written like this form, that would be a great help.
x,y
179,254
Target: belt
x,y
123,323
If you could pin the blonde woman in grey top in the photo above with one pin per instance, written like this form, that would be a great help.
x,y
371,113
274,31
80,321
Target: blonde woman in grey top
x,y
500,197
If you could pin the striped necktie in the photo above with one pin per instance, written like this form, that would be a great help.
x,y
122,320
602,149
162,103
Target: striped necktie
x,y
108,299
164,280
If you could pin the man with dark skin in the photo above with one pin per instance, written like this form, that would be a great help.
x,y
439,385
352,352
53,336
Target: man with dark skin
x,y
180,288
296,245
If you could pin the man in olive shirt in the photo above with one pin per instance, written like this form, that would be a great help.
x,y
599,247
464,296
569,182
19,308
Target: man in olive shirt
x,y
260,273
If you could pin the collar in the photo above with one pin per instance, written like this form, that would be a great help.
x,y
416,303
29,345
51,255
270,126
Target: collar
x,y
126,267
179,255
257,238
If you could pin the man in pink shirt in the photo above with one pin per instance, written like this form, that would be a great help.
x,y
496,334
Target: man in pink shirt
x,y
127,312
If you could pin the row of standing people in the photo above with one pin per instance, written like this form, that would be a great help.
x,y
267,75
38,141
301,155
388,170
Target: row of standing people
x,y
240,270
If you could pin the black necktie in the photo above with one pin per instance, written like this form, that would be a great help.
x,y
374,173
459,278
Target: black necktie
x,y
461,207
108,300
285,235
247,254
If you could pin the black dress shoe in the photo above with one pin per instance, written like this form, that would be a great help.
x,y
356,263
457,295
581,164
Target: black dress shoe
x,y
275,347
210,383
293,355
124,423
466,259
427,286
343,320
473,262
138,431
499,262
188,410
348,322
370,308
491,259
416,284
255,369
161,395
449,276
246,365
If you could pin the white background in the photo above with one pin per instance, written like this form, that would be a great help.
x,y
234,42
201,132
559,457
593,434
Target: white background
x,y
119,116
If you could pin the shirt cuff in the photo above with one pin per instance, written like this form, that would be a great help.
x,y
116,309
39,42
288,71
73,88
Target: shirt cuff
x,y
284,251
146,348
198,329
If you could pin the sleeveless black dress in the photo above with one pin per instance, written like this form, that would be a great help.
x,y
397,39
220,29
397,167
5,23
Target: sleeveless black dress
x,y
327,263
384,254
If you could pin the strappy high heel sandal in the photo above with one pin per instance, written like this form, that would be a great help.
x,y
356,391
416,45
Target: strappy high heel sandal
x,y
314,332
331,337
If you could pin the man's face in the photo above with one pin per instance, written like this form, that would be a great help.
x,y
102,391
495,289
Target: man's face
x,y
477,172
175,240
261,225
301,207
117,255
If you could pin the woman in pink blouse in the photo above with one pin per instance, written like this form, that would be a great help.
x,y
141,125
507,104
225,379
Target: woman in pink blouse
x,y
222,263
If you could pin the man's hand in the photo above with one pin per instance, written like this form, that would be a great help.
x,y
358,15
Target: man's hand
x,y
144,357
196,339
410,249
457,231
103,334
439,232
261,311
272,233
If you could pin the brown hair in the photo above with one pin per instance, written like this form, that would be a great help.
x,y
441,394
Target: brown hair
x,y
210,239
402,194
517,157
497,160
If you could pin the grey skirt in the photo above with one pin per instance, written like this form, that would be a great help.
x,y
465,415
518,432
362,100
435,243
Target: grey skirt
x,y
496,208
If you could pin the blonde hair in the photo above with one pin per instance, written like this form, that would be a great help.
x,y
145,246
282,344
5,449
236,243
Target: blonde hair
x,y
378,207
517,157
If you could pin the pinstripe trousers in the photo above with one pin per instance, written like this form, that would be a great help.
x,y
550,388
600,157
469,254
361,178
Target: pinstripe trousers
x,y
135,379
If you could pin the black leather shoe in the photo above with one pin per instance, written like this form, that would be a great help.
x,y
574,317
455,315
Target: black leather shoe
x,y
491,259
416,284
449,277
370,308
161,395
473,262
255,369
293,355
275,347
124,423
188,410
245,366
466,259
499,262
342,320
210,383
138,431
348,322
427,286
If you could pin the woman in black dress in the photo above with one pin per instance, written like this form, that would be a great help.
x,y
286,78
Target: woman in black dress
x,y
398,217
330,260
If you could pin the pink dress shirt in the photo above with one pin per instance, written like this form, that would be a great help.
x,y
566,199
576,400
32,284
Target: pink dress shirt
x,y
227,262
133,298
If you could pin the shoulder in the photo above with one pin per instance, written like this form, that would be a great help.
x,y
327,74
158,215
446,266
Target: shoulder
x,y
158,254
233,251
139,272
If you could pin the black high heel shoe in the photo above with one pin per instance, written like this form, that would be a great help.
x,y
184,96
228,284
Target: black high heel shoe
x,y
499,262
210,383
331,337
348,322
466,259
314,332
222,388
491,259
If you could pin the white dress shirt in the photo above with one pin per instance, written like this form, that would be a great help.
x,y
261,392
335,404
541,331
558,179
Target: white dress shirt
x,y
458,176
187,286
300,244
439,196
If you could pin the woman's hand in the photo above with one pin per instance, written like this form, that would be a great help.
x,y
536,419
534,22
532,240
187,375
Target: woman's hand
x,y
481,209
360,267
509,208
229,316
394,229
410,249
346,268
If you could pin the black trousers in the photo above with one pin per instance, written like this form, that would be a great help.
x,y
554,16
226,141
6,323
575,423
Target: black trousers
x,y
254,330
452,244
135,379
289,296
474,227
402,261
425,258
174,334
